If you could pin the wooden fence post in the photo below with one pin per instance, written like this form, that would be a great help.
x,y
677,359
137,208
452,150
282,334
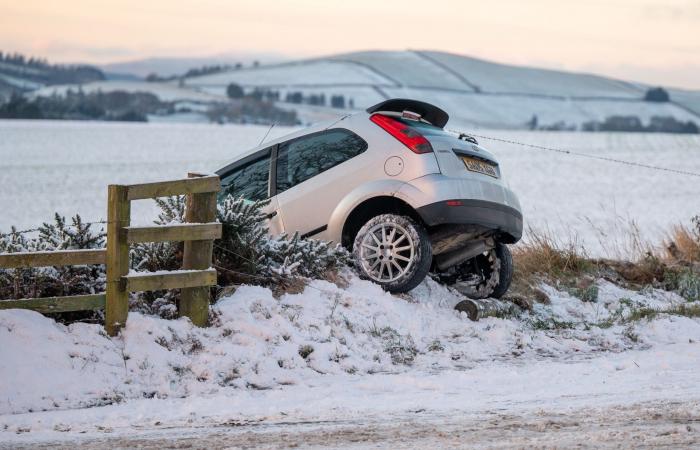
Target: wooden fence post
x,y
117,261
194,301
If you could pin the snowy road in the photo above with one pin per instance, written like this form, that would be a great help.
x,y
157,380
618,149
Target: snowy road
x,y
654,424
629,399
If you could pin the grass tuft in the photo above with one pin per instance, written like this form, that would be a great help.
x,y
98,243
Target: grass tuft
x,y
683,245
543,254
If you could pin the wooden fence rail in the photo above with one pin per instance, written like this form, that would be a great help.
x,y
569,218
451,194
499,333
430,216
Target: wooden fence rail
x,y
57,258
198,234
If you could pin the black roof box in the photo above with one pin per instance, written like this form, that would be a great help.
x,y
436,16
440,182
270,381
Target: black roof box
x,y
428,112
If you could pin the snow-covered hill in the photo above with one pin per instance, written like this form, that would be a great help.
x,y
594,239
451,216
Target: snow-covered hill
x,y
475,92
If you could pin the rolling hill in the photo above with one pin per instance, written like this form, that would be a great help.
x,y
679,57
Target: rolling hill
x,y
478,93
20,74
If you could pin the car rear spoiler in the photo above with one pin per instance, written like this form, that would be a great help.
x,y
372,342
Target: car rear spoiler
x,y
430,113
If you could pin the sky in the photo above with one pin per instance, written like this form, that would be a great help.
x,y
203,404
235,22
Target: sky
x,y
652,41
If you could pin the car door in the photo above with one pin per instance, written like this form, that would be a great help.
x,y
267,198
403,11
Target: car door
x,y
313,173
250,179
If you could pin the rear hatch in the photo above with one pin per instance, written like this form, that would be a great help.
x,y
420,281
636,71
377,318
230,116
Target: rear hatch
x,y
456,157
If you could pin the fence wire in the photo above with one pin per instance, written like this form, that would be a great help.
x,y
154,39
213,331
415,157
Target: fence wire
x,y
582,154
34,230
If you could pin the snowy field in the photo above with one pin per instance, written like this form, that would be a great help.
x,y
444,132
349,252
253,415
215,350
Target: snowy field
x,y
66,166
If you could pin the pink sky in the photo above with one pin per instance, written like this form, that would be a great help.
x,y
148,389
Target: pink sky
x,y
654,41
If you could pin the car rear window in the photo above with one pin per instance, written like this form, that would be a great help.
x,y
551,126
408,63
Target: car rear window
x,y
249,181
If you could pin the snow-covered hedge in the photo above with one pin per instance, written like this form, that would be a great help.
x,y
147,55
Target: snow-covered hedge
x,y
244,254
245,245
51,281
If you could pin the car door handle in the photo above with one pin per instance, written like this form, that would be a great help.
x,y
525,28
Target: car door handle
x,y
271,215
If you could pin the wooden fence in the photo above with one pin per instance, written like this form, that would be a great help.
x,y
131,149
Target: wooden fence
x,y
198,232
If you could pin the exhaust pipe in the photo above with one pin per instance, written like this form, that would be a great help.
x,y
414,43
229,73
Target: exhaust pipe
x,y
472,249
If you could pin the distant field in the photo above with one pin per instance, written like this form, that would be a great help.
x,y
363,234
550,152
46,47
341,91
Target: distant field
x,y
66,166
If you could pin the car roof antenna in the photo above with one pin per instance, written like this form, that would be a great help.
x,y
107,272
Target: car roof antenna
x,y
268,132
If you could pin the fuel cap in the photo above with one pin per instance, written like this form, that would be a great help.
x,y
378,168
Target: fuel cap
x,y
393,166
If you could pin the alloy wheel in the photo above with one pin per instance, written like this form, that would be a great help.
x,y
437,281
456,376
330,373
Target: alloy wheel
x,y
387,252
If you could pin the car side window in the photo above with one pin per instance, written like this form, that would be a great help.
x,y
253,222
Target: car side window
x,y
249,181
303,158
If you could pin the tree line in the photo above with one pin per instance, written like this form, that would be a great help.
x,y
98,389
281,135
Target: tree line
x,y
77,105
39,70
235,91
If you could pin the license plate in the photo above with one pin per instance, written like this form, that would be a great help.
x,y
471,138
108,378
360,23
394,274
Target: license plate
x,y
477,165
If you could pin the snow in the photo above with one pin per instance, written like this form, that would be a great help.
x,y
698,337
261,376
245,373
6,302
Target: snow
x,y
688,99
314,72
66,167
19,82
248,366
500,78
422,73
136,274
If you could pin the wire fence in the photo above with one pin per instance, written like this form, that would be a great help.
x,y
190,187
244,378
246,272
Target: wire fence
x,y
582,154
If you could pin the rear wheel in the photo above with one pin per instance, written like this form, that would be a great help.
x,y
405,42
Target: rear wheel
x,y
393,251
486,275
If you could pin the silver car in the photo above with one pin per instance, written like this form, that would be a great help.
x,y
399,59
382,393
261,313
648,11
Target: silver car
x,y
396,189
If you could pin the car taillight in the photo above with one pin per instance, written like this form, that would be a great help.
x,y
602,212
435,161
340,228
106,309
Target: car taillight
x,y
409,137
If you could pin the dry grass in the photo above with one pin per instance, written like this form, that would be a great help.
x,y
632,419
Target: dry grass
x,y
292,285
542,257
564,262
542,254
683,245
645,271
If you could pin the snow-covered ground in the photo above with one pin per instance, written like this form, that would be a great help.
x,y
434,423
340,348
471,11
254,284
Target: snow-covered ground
x,y
351,355
66,166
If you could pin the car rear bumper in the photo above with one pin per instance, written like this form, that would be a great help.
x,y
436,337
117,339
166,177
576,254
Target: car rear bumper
x,y
496,216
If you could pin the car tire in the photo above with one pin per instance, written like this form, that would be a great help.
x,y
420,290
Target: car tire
x,y
505,275
393,251
494,272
